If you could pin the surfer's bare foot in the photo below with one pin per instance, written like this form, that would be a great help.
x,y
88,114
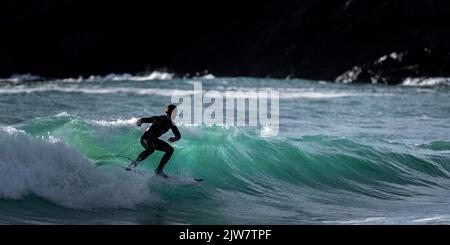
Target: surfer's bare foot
x,y
161,173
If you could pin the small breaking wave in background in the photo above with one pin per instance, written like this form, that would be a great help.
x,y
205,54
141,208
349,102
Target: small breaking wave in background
x,y
427,82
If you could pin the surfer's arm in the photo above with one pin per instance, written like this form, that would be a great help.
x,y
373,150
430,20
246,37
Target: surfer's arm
x,y
176,132
145,120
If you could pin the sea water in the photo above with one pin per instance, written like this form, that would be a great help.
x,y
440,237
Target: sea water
x,y
344,154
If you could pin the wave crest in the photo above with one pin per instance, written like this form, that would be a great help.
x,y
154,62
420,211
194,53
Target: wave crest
x,y
62,175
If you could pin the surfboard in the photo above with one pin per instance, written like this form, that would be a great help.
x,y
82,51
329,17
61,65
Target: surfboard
x,y
170,179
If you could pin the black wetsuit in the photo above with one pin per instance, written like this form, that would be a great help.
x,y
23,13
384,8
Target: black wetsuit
x,y
149,140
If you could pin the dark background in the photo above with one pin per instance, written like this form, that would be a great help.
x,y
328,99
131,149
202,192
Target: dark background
x,y
296,38
280,234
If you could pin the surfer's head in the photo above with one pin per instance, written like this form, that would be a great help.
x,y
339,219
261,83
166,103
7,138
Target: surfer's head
x,y
170,109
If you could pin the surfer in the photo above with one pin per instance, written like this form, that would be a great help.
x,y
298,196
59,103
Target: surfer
x,y
150,139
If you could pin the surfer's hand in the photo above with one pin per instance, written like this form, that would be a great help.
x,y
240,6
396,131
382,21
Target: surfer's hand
x,y
139,122
171,139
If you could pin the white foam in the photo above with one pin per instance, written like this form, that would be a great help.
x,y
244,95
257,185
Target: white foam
x,y
118,122
155,75
208,76
316,95
16,78
73,80
439,219
239,92
11,130
64,176
292,93
426,82
51,139
435,219
63,114
370,220
93,90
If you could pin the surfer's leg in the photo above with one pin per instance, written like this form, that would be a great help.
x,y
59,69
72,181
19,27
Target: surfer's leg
x,y
147,152
163,146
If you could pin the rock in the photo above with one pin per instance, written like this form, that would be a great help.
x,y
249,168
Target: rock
x,y
275,38
398,67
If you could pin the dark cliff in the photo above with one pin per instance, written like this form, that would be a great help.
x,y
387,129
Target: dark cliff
x,y
311,39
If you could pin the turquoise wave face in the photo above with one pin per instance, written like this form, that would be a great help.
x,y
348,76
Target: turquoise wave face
x,y
345,154
51,161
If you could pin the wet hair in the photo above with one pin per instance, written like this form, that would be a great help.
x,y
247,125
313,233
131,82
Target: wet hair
x,y
170,108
